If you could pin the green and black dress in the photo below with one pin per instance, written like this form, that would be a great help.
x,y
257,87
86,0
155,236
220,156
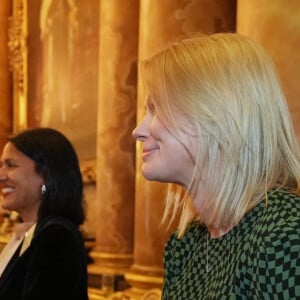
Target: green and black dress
x,y
258,259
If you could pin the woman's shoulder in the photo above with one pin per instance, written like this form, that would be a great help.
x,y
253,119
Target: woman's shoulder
x,y
283,206
284,194
59,228
193,233
56,221
280,218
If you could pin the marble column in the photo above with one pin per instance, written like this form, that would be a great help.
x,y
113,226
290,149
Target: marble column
x,y
277,28
113,253
5,76
162,22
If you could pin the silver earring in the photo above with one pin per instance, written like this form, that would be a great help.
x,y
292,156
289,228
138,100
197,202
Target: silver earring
x,y
43,189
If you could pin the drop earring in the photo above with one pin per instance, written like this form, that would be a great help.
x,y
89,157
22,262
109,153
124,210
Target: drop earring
x,y
43,189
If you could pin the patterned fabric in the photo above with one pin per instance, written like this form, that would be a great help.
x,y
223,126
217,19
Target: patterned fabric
x,y
258,259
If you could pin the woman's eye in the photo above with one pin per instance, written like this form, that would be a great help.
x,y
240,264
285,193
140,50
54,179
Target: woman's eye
x,y
11,165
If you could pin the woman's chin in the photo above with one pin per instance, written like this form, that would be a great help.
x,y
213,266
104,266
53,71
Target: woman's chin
x,y
150,174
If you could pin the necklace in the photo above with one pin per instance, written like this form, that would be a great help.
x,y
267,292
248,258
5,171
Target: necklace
x,y
207,267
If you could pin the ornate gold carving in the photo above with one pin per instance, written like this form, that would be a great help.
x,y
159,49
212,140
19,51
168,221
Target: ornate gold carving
x,y
152,294
17,45
113,263
17,57
88,171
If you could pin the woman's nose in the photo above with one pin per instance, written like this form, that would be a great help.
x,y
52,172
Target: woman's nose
x,y
3,175
140,133
135,133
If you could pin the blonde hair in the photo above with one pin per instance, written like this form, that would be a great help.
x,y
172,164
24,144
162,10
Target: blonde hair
x,y
226,85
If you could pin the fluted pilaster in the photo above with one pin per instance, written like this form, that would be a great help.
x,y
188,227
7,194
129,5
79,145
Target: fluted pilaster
x,y
5,76
113,252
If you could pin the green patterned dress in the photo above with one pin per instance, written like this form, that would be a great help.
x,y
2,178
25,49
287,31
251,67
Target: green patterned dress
x,y
258,259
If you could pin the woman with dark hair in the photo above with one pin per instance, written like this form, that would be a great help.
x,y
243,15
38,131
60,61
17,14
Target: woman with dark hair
x,y
41,180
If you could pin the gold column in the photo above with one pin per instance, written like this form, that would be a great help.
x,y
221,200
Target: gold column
x,y
113,253
5,76
276,25
160,23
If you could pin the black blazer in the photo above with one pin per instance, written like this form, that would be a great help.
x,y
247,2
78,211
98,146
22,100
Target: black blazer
x,y
53,267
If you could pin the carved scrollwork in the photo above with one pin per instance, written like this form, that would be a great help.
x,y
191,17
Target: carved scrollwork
x,y
88,171
17,45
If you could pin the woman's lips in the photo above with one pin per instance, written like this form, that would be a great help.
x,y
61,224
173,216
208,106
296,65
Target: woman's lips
x,y
148,152
7,190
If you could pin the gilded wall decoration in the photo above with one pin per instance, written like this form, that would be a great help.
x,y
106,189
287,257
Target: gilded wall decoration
x,y
17,55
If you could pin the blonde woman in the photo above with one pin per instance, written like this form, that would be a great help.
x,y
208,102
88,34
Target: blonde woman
x,y
217,125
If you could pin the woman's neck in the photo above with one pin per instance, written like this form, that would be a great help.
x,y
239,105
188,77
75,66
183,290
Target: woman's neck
x,y
28,217
218,232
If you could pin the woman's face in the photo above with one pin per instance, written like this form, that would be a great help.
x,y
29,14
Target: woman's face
x,y
20,183
164,157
